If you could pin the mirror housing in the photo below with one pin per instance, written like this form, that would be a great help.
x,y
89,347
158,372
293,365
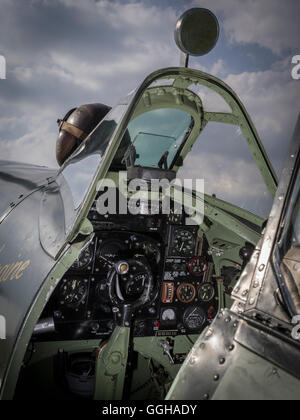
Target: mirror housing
x,y
197,32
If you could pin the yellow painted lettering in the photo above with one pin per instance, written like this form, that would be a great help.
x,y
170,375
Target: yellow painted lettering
x,y
15,269
21,270
4,271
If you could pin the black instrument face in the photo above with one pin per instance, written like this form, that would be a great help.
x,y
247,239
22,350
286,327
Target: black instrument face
x,y
109,251
194,318
136,284
183,243
73,292
186,292
198,266
84,260
206,292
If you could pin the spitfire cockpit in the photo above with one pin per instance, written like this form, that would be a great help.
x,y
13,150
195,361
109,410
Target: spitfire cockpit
x,y
116,297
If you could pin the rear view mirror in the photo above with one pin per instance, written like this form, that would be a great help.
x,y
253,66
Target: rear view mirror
x,y
197,32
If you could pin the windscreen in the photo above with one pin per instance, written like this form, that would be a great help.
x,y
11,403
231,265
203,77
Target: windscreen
x,y
156,132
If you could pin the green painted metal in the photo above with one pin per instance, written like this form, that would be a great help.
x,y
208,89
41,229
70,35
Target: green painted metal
x,y
47,350
253,378
149,348
249,377
111,366
221,218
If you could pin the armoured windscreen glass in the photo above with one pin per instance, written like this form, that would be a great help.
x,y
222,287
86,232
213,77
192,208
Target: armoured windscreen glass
x,y
157,132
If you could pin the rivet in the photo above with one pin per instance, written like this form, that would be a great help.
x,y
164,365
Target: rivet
x,y
192,361
206,397
245,292
252,301
209,333
228,320
235,325
231,348
262,267
256,284
216,378
202,346
222,361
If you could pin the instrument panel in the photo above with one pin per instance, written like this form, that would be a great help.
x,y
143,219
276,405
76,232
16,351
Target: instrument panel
x,y
189,294
184,296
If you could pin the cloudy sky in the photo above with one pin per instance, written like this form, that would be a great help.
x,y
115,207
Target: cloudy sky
x,y
63,53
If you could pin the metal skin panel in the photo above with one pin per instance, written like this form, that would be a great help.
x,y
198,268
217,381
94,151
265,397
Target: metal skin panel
x,y
24,267
17,180
223,366
52,220
256,292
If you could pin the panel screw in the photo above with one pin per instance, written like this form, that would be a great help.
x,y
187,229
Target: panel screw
x,y
209,333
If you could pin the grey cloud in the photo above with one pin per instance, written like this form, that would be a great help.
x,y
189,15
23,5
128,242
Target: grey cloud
x,y
64,53
271,23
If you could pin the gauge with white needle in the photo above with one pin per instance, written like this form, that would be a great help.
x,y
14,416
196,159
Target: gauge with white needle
x,y
168,315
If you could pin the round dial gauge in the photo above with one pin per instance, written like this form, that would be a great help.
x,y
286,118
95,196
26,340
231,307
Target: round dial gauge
x,y
136,285
84,259
186,293
198,266
206,292
184,242
73,292
110,250
194,318
168,315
